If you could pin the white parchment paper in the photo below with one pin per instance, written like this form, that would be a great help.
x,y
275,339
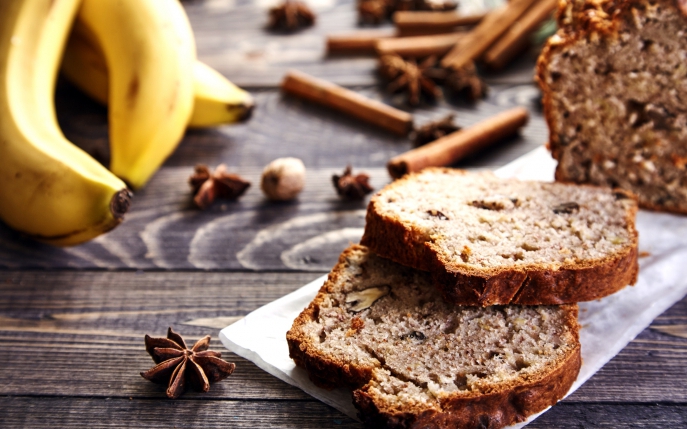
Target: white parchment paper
x,y
607,324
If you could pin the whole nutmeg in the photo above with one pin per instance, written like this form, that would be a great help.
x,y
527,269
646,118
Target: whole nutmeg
x,y
283,179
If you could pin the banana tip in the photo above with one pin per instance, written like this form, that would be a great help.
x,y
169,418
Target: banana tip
x,y
120,203
247,112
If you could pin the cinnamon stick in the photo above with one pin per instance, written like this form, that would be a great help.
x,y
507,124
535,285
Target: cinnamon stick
x,y
344,100
419,46
517,37
424,23
477,41
455,146
359,42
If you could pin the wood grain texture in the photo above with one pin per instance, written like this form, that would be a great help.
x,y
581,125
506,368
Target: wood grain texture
x,y
116,412
636,416
676,330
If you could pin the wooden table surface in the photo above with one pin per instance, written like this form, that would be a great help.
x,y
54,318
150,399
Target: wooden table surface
x,y
72,320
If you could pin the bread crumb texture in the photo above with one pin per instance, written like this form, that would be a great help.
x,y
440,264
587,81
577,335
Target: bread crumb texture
x,y
477,221
423,354
614,80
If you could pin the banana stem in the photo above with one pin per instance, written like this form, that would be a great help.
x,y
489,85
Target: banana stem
x,y
120,203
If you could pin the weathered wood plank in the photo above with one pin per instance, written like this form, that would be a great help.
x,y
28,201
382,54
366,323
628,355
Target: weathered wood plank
x,y
117,411
41,412
589,415
80,333
77,365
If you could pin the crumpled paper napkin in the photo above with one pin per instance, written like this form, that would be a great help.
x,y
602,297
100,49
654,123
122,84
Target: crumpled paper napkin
x,y
607,324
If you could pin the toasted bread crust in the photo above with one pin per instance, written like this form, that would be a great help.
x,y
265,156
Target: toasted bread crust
x,y
494,410
526,284
591,19
502,406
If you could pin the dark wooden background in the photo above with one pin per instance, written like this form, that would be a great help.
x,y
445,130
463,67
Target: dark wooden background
x,y
72,320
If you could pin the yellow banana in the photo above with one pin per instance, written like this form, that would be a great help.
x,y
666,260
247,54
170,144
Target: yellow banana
x,y
217,101
49,188
149,51
83,64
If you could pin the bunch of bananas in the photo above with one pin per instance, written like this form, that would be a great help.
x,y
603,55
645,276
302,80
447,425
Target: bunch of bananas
x,y
139,57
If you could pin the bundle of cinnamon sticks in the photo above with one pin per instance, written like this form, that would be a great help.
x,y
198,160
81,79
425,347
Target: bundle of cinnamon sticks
x,y
494,38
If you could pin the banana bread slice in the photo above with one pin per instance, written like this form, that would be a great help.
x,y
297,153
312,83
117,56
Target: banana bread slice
x,y
415,361
614,82
490,241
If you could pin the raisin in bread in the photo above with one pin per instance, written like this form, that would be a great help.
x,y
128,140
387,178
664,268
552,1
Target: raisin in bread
x,y
490,241
415,361
614,82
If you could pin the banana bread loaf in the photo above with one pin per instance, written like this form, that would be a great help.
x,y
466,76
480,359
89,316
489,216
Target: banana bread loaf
x,y
614,82
490,241
415,361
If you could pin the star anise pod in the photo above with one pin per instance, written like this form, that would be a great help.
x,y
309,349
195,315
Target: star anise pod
x,y
435,130
178,366
290,16
209,186
391,66
352,187
464,82
427,5
410,77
